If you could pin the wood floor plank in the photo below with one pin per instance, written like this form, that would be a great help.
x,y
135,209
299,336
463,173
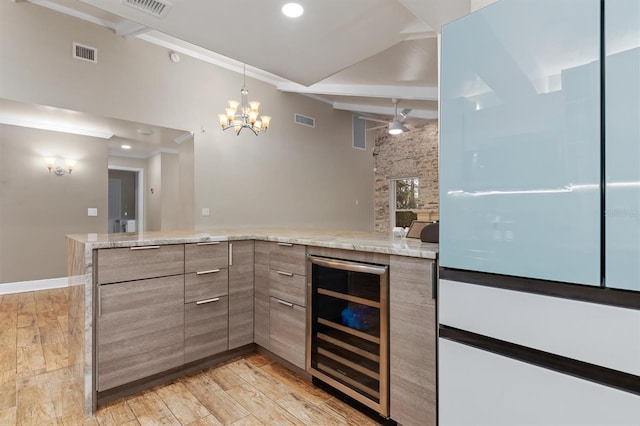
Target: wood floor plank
x,y
8,416
224,377
263,408
52,334
150,410
67,397
30,359
56,356
182,403
115,414
258,360
27,319
353,416
7,395
207,421
28,336
296,383
8,336
8,358
309,413
248,421
223,407
266,384
34,406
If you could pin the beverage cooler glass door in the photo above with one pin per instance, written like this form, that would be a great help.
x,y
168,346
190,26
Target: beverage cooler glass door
x,y
520,141
622,136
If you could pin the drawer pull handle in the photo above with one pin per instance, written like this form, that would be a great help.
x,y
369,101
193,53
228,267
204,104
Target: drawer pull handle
x,y
210,271
202,302
208,243
285,244
144,247
282,302
286,274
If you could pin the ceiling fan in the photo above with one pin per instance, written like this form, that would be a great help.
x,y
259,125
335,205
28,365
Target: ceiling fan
x,y
396,126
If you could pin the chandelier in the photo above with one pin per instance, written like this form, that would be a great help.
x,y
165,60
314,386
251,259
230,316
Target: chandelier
x,y
248,114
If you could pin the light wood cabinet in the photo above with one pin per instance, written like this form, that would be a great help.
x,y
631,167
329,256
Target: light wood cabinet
x,y
205,328
140,329
412,326
288,286
287,336
206,256
206,284
137,263
261,299
206,290
241,294
281,299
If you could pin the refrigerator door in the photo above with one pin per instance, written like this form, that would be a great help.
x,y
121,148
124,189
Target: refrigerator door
x,y
622,139
520,141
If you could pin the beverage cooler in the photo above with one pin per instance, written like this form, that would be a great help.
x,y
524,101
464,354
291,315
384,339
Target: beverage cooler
x,y
539,291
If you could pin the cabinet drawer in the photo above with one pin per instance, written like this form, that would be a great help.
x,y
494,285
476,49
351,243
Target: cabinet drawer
x,y
205,328
288,257
287,337
136,263
206,284
140,329
288,287
206,256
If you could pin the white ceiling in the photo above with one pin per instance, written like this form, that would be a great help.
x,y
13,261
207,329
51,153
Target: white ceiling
x,y
363,49
356,55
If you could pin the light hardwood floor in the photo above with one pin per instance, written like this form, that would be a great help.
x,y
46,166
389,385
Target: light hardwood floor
x,y
35,388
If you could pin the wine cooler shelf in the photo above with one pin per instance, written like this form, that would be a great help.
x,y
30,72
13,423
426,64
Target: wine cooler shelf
x,y
348,342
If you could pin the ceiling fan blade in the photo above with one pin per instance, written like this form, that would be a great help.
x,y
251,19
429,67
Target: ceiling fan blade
x,y
377,127
405,112
373,119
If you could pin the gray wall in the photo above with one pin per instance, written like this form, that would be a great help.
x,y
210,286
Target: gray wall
x,y
293,176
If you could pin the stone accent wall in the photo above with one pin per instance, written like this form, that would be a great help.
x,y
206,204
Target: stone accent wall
x,y
406,155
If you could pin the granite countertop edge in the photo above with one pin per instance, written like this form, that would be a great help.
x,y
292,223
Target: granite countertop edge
x,y
346,240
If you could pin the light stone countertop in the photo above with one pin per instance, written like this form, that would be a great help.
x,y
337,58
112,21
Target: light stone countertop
x,y
347,240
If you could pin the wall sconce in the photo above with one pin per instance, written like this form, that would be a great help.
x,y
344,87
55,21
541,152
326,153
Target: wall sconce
x,y
58,169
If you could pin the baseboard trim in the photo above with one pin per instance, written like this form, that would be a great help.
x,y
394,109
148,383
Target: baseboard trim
x,y
24,286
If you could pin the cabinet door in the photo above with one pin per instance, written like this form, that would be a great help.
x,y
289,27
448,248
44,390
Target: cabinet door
x,y
520,141
206,284
622,126
261,303
205,328
287,331
241,261
137,263
205,256
140,329
412,342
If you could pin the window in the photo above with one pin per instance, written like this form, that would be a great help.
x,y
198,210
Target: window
x,y
404,198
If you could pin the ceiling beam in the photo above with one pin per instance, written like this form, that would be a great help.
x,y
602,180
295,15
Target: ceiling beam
x,y
372,91
384,110
127,28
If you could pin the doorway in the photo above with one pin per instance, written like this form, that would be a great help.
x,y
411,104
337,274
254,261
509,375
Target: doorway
x,y
125,200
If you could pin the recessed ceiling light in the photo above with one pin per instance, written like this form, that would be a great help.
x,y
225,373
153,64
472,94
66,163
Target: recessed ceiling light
x,y
145,132
292,10
125,146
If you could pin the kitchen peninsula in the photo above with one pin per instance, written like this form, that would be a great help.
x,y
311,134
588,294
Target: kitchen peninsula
x,y
207,296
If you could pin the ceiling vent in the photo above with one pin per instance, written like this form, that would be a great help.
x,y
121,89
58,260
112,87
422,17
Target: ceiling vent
x,y
159,9
85,53
304,120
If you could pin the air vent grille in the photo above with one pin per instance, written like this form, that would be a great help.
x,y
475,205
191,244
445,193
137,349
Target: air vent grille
x,y
305,120
85,53
152,7
359,133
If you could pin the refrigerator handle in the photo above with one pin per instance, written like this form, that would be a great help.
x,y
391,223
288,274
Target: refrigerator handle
x,y
434,282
